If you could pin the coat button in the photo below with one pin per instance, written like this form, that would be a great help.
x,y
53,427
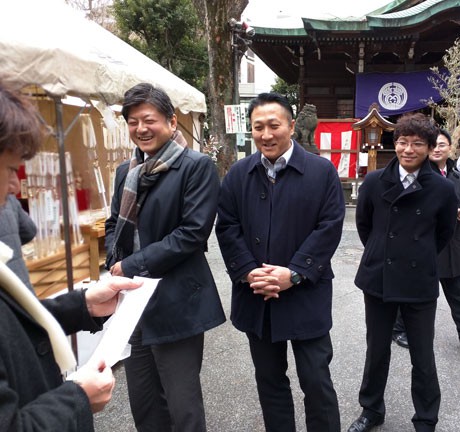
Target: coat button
x,y
395,209
309,261
257,240
413,264
320,268
232,265
416,237
418,212
43,348
389,262
263,195
391,235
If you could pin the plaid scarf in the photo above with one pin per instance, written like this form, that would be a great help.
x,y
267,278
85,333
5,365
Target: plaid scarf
x,y
141,177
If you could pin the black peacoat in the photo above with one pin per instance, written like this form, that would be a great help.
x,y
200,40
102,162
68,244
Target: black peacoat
x,y
403,230
33,396
296,223
174,224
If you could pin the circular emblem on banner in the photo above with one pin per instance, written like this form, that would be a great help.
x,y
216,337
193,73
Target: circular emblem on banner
x,y
392,96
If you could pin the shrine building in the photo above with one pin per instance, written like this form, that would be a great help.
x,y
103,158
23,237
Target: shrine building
x,y
345,66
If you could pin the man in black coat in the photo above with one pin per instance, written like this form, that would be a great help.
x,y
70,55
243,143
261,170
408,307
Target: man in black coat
x,y
449,258
279,223
163,210
405,216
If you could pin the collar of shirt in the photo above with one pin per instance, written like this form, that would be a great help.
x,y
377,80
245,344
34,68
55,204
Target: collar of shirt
x,y
286,156
443,170
403,173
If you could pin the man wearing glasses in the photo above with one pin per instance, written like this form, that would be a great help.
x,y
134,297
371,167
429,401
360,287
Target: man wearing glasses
x,y
405,216
449,258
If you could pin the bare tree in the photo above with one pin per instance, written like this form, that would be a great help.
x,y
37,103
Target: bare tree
x,y
98,11
447,83
215,15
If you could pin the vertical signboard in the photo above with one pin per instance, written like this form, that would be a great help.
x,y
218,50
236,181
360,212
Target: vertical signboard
x,y
235,119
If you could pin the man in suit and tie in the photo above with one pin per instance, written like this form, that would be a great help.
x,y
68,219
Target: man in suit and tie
x,y
405,216
449,258
280,219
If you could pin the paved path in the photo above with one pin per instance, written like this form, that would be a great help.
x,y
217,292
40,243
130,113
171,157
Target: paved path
x,y
229,389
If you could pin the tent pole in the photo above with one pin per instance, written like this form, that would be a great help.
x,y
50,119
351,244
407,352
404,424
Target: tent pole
x,y
64,192
65,203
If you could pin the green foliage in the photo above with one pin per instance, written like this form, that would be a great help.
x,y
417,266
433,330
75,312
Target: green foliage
x,y
167,31
291,91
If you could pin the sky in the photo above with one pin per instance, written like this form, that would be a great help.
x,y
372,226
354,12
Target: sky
x,y
279,13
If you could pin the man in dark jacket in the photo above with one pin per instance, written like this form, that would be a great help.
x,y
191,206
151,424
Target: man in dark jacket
x,y
449,258
163,211
17,229
34,351
405,216
279,223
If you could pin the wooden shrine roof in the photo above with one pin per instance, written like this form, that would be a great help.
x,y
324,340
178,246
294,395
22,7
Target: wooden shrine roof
x,y
427,26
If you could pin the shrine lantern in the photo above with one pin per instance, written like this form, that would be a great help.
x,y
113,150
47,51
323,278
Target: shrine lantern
x,y
373,126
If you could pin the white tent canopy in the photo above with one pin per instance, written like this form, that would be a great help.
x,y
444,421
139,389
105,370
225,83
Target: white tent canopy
x,y
49,44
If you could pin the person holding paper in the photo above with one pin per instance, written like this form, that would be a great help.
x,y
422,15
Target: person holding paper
x,y
34,350
162,213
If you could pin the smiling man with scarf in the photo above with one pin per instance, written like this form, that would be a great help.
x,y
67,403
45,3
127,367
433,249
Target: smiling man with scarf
x,y
162,214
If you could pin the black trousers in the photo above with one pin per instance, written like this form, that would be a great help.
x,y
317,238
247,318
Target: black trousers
x,y
419,321
312,359
451,288
164,385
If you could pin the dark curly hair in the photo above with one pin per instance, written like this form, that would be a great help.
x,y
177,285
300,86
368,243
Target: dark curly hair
x,y
416,124
20,128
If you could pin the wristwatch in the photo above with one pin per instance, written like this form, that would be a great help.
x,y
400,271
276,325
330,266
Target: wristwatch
x,y
296,278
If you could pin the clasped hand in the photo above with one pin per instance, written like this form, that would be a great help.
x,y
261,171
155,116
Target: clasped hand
x,y
269,280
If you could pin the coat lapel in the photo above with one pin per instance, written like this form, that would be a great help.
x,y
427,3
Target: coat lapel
x,y
395,189
390,177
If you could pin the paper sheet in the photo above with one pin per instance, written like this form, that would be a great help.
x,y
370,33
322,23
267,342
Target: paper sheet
x,y
120,326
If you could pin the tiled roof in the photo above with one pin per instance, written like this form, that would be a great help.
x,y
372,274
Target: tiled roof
x,y
380,18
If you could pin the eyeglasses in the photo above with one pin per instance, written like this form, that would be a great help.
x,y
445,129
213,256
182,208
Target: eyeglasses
x,y
413,144
442,146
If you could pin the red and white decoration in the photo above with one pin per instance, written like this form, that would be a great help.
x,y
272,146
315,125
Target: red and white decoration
x,y
338,135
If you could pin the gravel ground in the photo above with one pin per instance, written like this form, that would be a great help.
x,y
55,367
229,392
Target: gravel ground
x,y
229,389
